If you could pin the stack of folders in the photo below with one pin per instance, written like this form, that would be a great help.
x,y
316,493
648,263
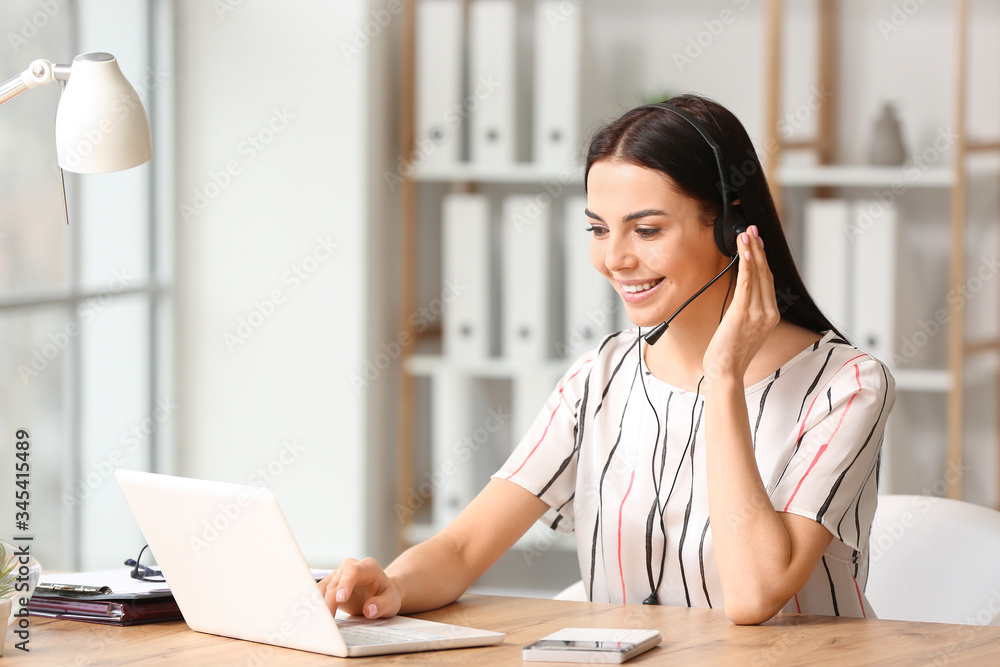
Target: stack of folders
x,y
483,97
108,597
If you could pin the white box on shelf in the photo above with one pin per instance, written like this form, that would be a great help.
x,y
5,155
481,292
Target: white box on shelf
x,y
527,287
591,311
467,325
492,81
827,263
439,58
557,83
873,234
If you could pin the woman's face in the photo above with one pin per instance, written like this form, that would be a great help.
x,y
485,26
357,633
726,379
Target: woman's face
x,y
650,241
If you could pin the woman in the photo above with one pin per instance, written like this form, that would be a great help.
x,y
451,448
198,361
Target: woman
x,y
732,464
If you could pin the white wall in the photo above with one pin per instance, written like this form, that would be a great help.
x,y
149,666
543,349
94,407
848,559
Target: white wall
x,y
273,141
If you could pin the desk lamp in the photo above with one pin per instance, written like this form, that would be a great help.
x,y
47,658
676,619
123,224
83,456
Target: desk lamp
x,y
101,125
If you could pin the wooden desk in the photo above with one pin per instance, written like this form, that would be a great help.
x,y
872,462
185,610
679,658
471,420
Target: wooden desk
x,y
690,637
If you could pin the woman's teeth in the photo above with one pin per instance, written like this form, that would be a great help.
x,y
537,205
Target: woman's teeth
x,y
632,289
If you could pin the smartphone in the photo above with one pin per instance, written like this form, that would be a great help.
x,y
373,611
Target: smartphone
x,y
592,645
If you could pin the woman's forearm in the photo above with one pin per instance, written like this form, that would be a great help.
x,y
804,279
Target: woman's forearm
x,y
752,546
430,574
438,571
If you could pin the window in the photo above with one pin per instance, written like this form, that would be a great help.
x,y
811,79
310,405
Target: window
x,y
85,310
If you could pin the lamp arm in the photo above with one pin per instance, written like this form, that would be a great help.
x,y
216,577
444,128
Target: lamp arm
x,y
39,72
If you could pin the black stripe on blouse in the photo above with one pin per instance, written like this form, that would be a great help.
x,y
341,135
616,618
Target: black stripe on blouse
x,y
833,589
687,510
829,353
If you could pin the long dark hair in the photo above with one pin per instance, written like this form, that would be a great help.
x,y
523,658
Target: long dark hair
x,y
660,140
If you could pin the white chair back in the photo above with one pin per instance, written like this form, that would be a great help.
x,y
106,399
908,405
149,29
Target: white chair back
x,y
935,559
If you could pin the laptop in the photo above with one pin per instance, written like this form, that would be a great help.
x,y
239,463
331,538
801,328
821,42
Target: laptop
x,y
235,570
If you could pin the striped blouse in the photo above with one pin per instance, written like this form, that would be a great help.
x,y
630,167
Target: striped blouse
x,y
619,457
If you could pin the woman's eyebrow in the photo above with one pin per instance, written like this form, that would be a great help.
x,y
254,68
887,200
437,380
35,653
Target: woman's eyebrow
x,y
645,213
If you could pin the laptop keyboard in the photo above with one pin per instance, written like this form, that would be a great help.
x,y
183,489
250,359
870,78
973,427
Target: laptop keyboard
x,y
357,634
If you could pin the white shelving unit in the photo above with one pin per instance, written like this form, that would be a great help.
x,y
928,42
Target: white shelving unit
x,y
952,180
455,385
872,178
845,176
519,172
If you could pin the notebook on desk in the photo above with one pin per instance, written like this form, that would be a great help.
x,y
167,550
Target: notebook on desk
x,y
235,570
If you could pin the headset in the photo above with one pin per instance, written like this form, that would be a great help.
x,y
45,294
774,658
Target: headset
x,y
731,221
728,225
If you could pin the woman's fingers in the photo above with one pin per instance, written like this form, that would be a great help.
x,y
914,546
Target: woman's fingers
x,y
360,588
769,301
760,306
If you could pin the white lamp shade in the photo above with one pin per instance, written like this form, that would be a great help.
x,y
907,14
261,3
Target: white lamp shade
x,y
101,125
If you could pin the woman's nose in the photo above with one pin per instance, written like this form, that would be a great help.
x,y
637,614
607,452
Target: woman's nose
x,y
619,255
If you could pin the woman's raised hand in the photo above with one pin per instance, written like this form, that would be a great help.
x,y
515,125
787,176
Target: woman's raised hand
x,y
362,588
751,316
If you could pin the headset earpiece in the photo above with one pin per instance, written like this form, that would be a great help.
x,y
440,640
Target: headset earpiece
x,y
726,230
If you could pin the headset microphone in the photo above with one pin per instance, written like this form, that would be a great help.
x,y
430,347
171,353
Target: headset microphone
x,y
728,225
654,334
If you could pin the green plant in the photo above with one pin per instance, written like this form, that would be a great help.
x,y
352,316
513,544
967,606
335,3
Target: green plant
x,y
8,571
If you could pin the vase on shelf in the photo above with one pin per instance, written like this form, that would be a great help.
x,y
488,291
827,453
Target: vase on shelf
x,y
887,147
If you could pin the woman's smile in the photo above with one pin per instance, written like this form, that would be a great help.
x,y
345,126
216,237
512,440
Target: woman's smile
x,y
634,291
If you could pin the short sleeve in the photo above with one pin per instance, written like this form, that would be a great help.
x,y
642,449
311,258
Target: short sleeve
x,y
832,473
545,461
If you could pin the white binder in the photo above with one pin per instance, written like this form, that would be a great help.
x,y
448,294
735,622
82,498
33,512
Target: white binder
x,y
466,263
451,484
591,304
439,58
557,84
828,259
526,278
492,81
874,311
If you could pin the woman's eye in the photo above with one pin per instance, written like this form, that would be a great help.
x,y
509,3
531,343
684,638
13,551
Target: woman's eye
x,y
597,231
647,232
